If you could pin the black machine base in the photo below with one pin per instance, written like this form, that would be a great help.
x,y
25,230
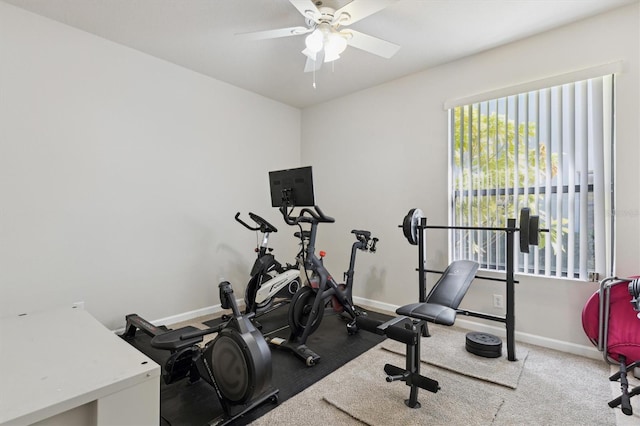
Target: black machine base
x,y
409,332
412,378
237,411
302,351
483,344
624,400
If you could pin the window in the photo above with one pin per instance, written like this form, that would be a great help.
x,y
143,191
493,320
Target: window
x,y
549,150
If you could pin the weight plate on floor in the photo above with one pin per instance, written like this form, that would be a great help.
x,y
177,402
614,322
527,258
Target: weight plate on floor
x,y
483,344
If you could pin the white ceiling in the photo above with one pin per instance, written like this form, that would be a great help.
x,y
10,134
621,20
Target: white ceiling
x,y
201,35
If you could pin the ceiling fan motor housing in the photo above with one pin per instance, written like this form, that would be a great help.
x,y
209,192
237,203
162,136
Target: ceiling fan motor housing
x,y
325,39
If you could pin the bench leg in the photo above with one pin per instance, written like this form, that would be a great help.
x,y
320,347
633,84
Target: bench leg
x,y
411,336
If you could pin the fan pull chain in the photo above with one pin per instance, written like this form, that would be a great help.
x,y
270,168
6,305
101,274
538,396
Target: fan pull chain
x,y
314,78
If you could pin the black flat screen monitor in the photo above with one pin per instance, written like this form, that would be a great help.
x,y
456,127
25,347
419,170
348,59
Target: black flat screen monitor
x,y
292,187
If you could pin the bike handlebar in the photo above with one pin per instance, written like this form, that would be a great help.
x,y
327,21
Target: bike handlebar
x,y
306,215
364,237
263,225
361,234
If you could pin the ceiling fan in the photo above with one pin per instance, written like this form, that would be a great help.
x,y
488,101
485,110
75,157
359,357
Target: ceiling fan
x,y
327,35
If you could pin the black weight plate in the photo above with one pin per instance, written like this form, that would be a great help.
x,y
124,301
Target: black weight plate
x,y
406,227
534,230
489,344
484,354
483,344
415,224
524,230
410,225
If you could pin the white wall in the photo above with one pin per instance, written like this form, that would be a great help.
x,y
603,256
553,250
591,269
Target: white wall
x,y
120,175
385,151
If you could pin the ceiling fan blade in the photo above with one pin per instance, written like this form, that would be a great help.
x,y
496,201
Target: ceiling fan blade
x,y
359,9
370,44
314,65
307,8
280,32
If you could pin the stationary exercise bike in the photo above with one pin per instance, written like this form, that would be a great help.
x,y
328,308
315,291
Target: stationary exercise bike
x,y
270,280
236,363
307,306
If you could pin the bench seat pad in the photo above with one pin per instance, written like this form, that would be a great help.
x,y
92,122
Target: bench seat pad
x,y
431,312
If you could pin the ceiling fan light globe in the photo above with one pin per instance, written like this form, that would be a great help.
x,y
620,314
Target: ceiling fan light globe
x,y
309,54
335,45
330,57
314,41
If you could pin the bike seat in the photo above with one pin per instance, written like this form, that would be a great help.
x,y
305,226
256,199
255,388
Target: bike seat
x,y
305,235
171,339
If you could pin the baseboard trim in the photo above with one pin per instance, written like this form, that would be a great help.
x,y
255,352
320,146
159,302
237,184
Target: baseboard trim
x,y
387,308
545,342
187,316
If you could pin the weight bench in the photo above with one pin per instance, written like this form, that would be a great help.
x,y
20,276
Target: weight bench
x,y
440,307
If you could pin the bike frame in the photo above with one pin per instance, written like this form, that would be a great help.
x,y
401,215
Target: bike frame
x,y
327,285
266,264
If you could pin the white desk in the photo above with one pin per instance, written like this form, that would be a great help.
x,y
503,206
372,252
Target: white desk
x,y
62,367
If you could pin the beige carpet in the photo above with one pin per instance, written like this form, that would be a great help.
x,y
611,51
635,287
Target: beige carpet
x,y
366,396
358,394
446,349
555,389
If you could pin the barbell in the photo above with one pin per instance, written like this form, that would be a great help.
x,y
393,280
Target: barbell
x,y
529,228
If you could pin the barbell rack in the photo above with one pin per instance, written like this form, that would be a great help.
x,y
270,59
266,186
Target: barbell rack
x,y
509,318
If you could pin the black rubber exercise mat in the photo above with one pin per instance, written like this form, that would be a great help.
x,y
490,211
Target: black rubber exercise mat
x,y
185,403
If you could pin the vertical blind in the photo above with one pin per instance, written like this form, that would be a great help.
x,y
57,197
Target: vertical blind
x,y
550,150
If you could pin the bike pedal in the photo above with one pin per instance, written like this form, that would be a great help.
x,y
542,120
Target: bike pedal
x,y
352,328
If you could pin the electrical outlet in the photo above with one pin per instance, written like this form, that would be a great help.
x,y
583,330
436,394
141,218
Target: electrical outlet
x,y
498,301
78,305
